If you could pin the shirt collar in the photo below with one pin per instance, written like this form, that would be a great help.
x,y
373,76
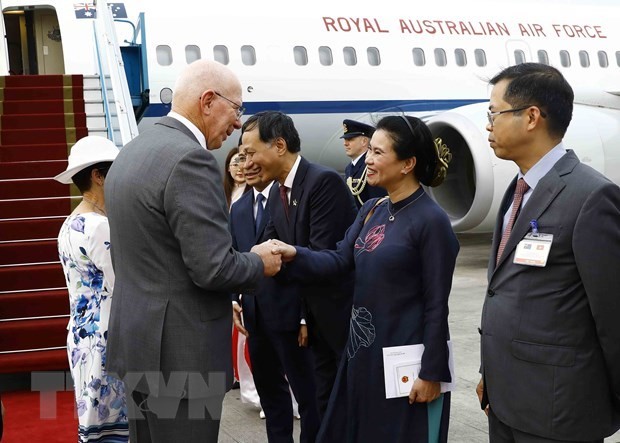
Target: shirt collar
x,y
354,162
543,166
265,192
192,127
290,178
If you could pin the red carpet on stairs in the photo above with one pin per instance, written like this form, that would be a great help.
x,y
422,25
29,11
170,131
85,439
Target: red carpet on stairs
x,y
41,117
25,420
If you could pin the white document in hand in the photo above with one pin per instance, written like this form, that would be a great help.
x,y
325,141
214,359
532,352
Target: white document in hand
x,y
401,366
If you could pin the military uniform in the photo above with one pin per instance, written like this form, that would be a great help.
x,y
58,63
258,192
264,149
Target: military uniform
x,y
355,174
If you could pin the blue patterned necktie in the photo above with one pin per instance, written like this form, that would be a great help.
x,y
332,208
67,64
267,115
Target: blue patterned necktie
x,y
259,212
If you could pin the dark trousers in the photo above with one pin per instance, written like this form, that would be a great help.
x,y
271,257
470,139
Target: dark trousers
x,y
165,420
500,432
275,354
328,326
326,361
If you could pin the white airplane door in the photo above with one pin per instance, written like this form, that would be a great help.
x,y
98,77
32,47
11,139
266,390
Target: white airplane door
x,y
49,43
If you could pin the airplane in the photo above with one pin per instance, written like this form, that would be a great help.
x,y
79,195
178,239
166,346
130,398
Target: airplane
x,y
321,63
327,61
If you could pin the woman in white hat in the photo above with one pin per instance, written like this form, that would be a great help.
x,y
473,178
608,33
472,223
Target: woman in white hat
x,y
84,250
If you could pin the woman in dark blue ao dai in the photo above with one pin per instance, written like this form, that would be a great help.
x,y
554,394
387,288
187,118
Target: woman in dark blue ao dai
x,y
403,251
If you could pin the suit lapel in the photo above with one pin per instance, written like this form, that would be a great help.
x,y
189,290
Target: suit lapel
x,y
348,171
277,214
247,218
499,224
263,223
297,192
356,171
243,222
546,191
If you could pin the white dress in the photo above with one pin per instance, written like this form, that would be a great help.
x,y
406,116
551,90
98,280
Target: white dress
x,y
84,251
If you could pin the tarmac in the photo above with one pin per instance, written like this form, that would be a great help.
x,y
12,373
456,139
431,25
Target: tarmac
x,y
468,424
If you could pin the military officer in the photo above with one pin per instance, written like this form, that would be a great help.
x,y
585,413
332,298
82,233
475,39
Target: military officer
x,y
356,141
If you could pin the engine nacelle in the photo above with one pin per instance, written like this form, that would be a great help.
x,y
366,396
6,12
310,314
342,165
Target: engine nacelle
x,y
477,179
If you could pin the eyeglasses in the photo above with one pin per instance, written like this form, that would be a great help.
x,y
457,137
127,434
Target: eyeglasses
x,y
238,108
249,156
491,115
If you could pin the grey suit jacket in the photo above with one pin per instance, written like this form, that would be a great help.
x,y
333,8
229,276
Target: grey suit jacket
x,y
174,265
551,336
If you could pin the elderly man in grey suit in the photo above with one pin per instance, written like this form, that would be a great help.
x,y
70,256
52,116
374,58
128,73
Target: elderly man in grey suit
x,y
169,334
550,322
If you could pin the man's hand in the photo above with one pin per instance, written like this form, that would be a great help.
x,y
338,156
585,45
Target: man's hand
x,y
272,262
237,321
480,392
424,391
302,337
287,251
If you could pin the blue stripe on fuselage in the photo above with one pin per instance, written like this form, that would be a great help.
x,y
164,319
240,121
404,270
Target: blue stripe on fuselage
x,y
338,107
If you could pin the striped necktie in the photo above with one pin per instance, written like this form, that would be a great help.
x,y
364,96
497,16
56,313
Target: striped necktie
x,y
520,189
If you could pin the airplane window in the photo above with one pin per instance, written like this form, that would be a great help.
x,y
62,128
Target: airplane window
x,y
565,58
603,62
248,55
164,55
374,58
220,54
440,57
418,57
325,56
481,57
584,59
301,55
543,57
519,56
350,58
192,53
460,57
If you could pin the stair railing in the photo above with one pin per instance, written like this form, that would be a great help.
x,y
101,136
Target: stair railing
x,y
123,127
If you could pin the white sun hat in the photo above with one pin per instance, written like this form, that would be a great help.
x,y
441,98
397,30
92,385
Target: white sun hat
x,y
86,152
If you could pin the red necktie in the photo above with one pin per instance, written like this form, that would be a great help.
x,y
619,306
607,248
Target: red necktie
x,y
521,189
284,199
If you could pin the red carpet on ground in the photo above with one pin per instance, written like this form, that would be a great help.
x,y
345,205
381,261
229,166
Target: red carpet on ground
x,y
25,421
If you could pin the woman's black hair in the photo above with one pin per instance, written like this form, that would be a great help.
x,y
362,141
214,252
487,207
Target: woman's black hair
x,y
83,180
412,138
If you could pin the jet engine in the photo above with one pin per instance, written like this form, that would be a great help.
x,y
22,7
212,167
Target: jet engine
x,y
477,179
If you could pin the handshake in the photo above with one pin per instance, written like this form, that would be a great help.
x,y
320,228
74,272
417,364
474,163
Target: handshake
x,y
273,253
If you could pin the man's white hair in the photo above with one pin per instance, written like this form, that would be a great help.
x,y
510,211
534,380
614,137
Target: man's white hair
x,y
198,77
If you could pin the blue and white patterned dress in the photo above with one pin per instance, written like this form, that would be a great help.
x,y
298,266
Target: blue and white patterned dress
x,y
84,250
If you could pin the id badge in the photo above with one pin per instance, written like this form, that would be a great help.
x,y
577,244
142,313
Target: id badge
x,y
533,250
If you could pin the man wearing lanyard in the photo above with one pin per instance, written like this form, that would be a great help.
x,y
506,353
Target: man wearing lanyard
x,y
549,333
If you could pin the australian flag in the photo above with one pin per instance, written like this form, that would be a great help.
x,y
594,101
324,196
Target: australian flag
x,y
85,10
88,10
